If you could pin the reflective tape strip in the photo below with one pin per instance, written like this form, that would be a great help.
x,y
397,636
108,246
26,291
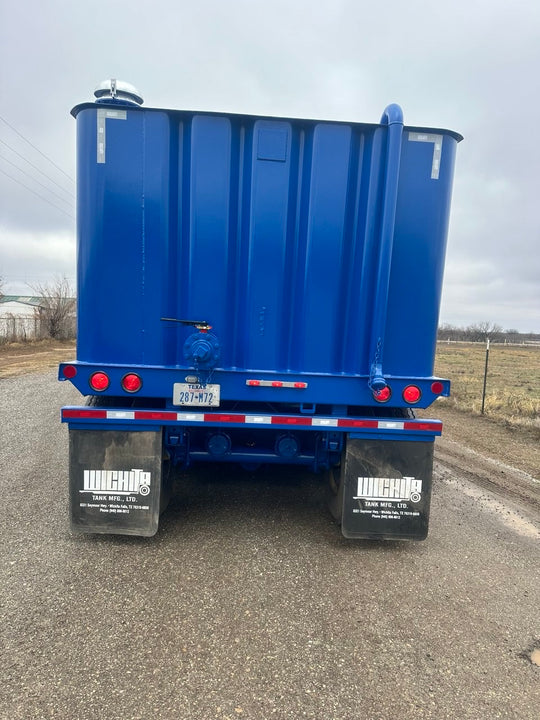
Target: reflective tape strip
x,y
423,426
120,415
154,415
325,422
190,417
437,141
343,423
217,417
352,423
291,420
259,419
81,414
102,115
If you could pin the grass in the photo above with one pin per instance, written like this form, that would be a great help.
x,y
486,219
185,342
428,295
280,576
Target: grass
x,y
513,381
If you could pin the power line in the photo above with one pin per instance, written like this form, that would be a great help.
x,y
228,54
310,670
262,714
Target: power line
x,y
37,181
37,149
68,192
36,193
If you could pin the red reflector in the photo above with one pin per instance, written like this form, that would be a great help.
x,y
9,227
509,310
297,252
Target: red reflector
x,y
69,371
149,415
131,383
346,422
277,383
215,417
99,381
383,395
412,394
300,385
281,420
254,383
98,414
437,388
429,427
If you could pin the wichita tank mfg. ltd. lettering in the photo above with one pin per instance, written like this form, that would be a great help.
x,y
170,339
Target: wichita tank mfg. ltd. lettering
x,y
116,482
390,489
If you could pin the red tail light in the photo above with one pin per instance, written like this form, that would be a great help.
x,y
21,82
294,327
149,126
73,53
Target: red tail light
x,y
383,395
437,388
412,394
69,371
99,381
131,383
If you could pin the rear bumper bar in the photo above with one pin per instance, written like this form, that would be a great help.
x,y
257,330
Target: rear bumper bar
x,y
115,418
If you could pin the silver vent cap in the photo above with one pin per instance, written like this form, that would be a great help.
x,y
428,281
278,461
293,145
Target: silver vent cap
x,y
118,91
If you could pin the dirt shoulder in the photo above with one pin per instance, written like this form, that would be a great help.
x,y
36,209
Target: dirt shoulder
x,y
501,459
21,358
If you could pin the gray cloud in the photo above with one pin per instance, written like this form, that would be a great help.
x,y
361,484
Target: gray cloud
x,y
469,66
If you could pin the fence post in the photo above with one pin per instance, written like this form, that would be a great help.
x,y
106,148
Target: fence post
x,y
485,377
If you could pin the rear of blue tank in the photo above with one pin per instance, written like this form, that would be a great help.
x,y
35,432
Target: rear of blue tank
x,y
123,241
418,256
266,229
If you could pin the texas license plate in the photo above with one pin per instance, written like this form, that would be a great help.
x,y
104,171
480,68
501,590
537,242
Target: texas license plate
x,y
196,395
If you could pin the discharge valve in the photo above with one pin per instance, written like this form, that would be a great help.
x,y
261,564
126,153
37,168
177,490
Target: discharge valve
x,y
201,349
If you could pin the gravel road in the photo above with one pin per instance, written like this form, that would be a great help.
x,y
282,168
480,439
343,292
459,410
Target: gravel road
x,y
249,603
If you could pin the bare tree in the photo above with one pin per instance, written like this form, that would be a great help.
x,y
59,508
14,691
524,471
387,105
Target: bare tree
x,y
57,308
479,332
482,331
490,330
512,336
1,286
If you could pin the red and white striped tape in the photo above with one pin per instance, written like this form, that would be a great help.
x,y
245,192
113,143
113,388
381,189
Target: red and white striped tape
x,y
301,421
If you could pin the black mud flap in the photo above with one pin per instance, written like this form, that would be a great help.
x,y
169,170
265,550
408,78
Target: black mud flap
x,y
386,489
115,481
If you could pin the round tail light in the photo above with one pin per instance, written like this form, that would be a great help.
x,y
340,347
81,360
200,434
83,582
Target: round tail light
x,y
383,395
412,394
99,381
131,383
69,371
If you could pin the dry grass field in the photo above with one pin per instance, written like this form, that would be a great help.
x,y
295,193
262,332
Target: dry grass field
x,y
24,357
513,382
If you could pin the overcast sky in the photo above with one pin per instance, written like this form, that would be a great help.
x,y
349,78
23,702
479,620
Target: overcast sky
x,y
471,65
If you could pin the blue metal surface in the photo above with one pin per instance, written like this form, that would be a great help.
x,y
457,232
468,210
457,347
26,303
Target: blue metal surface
x,y
338,390
309,247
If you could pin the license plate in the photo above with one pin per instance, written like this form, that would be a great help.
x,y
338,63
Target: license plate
x,y
196,395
